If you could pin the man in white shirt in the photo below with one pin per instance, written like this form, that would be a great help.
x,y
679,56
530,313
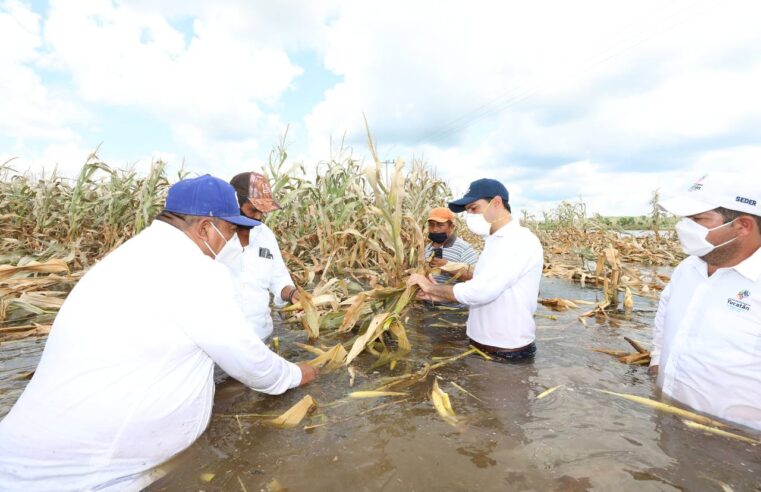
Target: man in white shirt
x,y
502,295
125,380
707,331
261,270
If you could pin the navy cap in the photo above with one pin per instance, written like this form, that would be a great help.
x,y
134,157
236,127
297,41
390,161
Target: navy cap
x,y
206,196
482,188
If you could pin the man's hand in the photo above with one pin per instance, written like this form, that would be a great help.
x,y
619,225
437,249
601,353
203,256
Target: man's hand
x,y
425,284
652,370
287,292
308,374
422,296
438,262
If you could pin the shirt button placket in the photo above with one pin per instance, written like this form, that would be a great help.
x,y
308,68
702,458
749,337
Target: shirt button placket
x,y
688,326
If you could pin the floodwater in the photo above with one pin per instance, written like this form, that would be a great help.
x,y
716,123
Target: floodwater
x,y
572,440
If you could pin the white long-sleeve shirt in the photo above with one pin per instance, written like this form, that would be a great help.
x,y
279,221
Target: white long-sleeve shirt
x,y
261,271
502,295
125,380
707,339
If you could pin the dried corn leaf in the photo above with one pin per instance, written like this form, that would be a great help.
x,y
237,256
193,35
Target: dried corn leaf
x,y
310,348
294,415
311,318
637,345
374,394
628,301
353,313
613,352
636,359
43,300
51,266
330,359
720,432
441,403
377,325
397,328
317,301
558,304
452,266
548,392
664,407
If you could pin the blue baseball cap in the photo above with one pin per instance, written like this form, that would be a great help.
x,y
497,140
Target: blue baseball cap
x,y
206,196
481,188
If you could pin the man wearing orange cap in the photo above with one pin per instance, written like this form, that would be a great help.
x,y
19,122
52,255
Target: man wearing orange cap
x,y
260,270
446,248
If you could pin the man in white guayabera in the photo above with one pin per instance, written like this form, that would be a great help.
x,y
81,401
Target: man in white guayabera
x,y
502,295
707,332
125,381
259,270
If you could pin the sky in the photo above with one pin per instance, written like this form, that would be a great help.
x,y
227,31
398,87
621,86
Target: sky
x,y
603,100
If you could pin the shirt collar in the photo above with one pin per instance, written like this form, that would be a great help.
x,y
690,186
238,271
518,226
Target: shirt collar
x,y
750,267
507,228
450,240
178,237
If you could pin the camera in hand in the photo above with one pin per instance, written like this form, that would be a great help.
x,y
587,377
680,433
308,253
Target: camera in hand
x,y
438,253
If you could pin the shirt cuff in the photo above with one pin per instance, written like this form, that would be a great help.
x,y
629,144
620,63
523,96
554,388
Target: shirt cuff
x,y
655,358
279,301
295,375
455,292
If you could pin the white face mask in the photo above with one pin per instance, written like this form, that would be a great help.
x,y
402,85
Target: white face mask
x,y
477,224
230,253
693,237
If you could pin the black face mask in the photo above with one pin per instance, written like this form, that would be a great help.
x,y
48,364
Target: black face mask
x,y
438,237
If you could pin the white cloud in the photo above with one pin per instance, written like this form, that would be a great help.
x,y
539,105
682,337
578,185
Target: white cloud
x,y
556,98
29,110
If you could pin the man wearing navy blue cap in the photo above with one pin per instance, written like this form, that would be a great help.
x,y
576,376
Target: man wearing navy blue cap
x,y
126,378
503,292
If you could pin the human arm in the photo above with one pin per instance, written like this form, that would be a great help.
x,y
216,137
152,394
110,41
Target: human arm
x,y
433,291
658,325
502,270
215,322
281,284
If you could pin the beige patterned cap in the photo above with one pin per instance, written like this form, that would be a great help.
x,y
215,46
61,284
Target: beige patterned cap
x,y
256,188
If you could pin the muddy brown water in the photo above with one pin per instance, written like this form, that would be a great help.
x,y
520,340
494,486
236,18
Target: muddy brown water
x,y
573,439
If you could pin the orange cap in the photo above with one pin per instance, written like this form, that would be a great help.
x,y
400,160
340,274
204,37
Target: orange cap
x,y
441,214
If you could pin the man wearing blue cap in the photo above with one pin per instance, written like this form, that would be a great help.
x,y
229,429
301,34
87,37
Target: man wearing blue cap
x,y
126,378
503,292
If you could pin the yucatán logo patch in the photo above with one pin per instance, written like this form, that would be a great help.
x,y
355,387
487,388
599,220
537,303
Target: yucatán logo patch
x,y
737,303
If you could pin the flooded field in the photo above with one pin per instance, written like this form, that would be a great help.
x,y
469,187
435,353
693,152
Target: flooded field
x,y
507,439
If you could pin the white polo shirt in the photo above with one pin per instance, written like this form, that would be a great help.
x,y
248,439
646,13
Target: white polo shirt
x,y
502,295
126,377
262,272
707,339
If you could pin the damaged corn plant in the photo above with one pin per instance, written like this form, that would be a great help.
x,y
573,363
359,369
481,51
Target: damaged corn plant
x,y
354,233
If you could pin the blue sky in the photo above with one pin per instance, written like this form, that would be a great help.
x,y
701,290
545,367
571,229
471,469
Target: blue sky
x,y
604,100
